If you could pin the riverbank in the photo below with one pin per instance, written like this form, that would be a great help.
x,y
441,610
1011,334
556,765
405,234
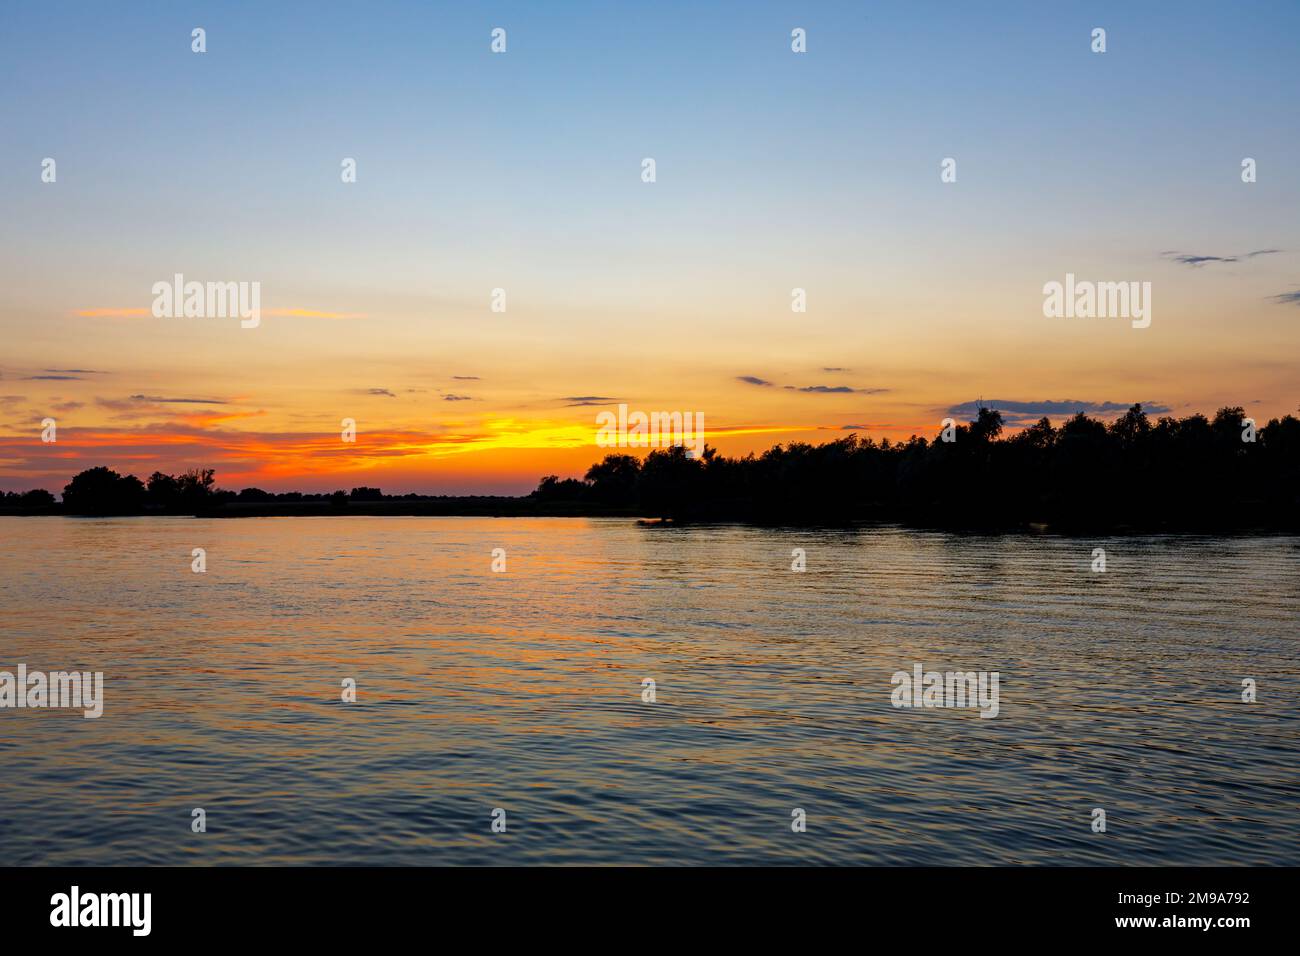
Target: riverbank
x,y
1246,521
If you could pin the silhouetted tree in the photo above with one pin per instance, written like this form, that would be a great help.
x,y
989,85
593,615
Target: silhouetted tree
x,y
614,480
1131,428
194,487
670,482
101,491
551,488
987,425
38,499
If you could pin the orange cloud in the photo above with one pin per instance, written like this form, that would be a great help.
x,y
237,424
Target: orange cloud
x,y
512,451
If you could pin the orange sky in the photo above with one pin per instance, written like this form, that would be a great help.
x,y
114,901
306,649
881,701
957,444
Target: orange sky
x,y
489,402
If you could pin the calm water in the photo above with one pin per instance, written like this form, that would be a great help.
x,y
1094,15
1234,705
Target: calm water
x,y
522,691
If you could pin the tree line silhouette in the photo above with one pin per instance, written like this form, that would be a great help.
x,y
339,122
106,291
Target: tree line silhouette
x,y
1189,473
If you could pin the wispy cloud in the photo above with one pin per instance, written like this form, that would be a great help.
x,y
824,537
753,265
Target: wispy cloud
x,y
380,391
836,390
1286,298
457,398
813,389
575,401
1023,413
1195,261
159,399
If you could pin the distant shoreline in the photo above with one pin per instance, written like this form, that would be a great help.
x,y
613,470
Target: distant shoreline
x,y
480,506
468,506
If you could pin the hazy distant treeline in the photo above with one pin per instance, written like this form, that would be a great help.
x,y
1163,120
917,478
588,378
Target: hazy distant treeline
x,y
1177,473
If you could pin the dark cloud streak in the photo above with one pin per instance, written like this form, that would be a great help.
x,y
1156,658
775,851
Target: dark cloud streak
x,y
1195,261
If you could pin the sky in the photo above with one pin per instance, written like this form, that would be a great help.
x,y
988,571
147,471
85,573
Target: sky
x,y
522,171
